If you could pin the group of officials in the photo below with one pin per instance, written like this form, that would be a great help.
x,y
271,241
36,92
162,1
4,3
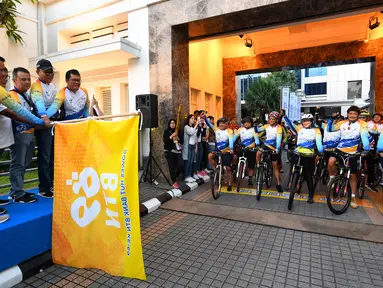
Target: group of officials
x,y
26,111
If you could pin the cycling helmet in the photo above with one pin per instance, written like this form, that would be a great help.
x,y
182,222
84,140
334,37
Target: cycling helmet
x,y
308,117
248,119
365,113
274,114
223,120
354,108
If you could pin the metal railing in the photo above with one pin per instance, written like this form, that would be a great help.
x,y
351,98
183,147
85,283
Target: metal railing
x,y
7,162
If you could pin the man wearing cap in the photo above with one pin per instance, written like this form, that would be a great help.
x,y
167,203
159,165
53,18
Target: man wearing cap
x,y
43,93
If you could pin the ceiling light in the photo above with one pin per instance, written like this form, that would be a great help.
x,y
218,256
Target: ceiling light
x,y
248,42
373,22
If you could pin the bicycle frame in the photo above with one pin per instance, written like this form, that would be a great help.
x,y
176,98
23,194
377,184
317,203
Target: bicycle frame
x,y
243,160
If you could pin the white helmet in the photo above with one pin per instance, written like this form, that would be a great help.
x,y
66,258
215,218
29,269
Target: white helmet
x,y
308,116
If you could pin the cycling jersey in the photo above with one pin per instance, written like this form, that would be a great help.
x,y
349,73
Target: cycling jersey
x,y
10,103
17,126
351,135
273,136
249,138
374,128
76,104
330,139
307,138
224,138
43,96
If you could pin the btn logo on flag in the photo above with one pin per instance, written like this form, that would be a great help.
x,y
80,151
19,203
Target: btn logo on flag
x,y
96,222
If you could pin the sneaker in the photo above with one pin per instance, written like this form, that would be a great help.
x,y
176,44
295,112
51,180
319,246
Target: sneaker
x,y
250,182
189,180
353,204
381,183
2,211
279,189
282,171
196,177
310,200
4,202
46,194
207,170
175,185
203,173
4,218
371,188
26,199
200,174
229,188
27,193
287,161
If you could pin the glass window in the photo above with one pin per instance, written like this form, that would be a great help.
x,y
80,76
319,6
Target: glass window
x,y
316,89
318,71
354,89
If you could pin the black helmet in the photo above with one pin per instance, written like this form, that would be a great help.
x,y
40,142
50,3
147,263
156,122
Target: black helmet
x,y
248,119
223,119
354,108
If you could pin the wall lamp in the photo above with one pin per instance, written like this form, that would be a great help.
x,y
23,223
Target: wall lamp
x,y
373,23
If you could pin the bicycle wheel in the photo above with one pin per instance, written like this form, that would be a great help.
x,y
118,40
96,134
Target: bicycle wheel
x,y
268,176
338,195
294,189
325,176
259,181
317,173
360,185
377,175
240,172
217,182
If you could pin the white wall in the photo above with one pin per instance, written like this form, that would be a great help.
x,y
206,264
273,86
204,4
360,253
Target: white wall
x,y
17,55
205,68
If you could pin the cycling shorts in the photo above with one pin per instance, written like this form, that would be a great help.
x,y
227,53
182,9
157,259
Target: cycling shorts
x,y
352,161
227,159
274,157
251,158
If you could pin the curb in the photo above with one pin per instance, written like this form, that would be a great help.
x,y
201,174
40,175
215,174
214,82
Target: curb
x,y
153,204
16,274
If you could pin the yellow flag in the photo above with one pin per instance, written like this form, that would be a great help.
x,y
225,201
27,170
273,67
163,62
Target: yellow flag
x,y
96,217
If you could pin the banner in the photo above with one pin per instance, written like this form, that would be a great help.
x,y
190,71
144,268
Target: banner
x,y
285,97
96,217
292,107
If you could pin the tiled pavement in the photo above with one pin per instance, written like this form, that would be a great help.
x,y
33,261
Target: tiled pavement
x,y
182,250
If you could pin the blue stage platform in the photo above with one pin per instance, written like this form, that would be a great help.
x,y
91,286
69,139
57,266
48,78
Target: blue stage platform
x,y
27,233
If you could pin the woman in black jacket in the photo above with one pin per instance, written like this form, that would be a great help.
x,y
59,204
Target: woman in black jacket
x,y
172,154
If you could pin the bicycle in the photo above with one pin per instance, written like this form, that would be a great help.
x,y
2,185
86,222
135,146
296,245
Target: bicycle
x,y
218,176
339,190
295,181
378,171
241,168
264,167
320,172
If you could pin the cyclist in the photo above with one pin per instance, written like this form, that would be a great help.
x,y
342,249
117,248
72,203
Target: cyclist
x,y
249,139
353,132
330,140
224,143
308,137
273,141
374,128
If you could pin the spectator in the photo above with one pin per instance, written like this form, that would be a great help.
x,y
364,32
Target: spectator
x,y
205,147
43,93
23,148
201,134
189,148
211,143
172,155
94,110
